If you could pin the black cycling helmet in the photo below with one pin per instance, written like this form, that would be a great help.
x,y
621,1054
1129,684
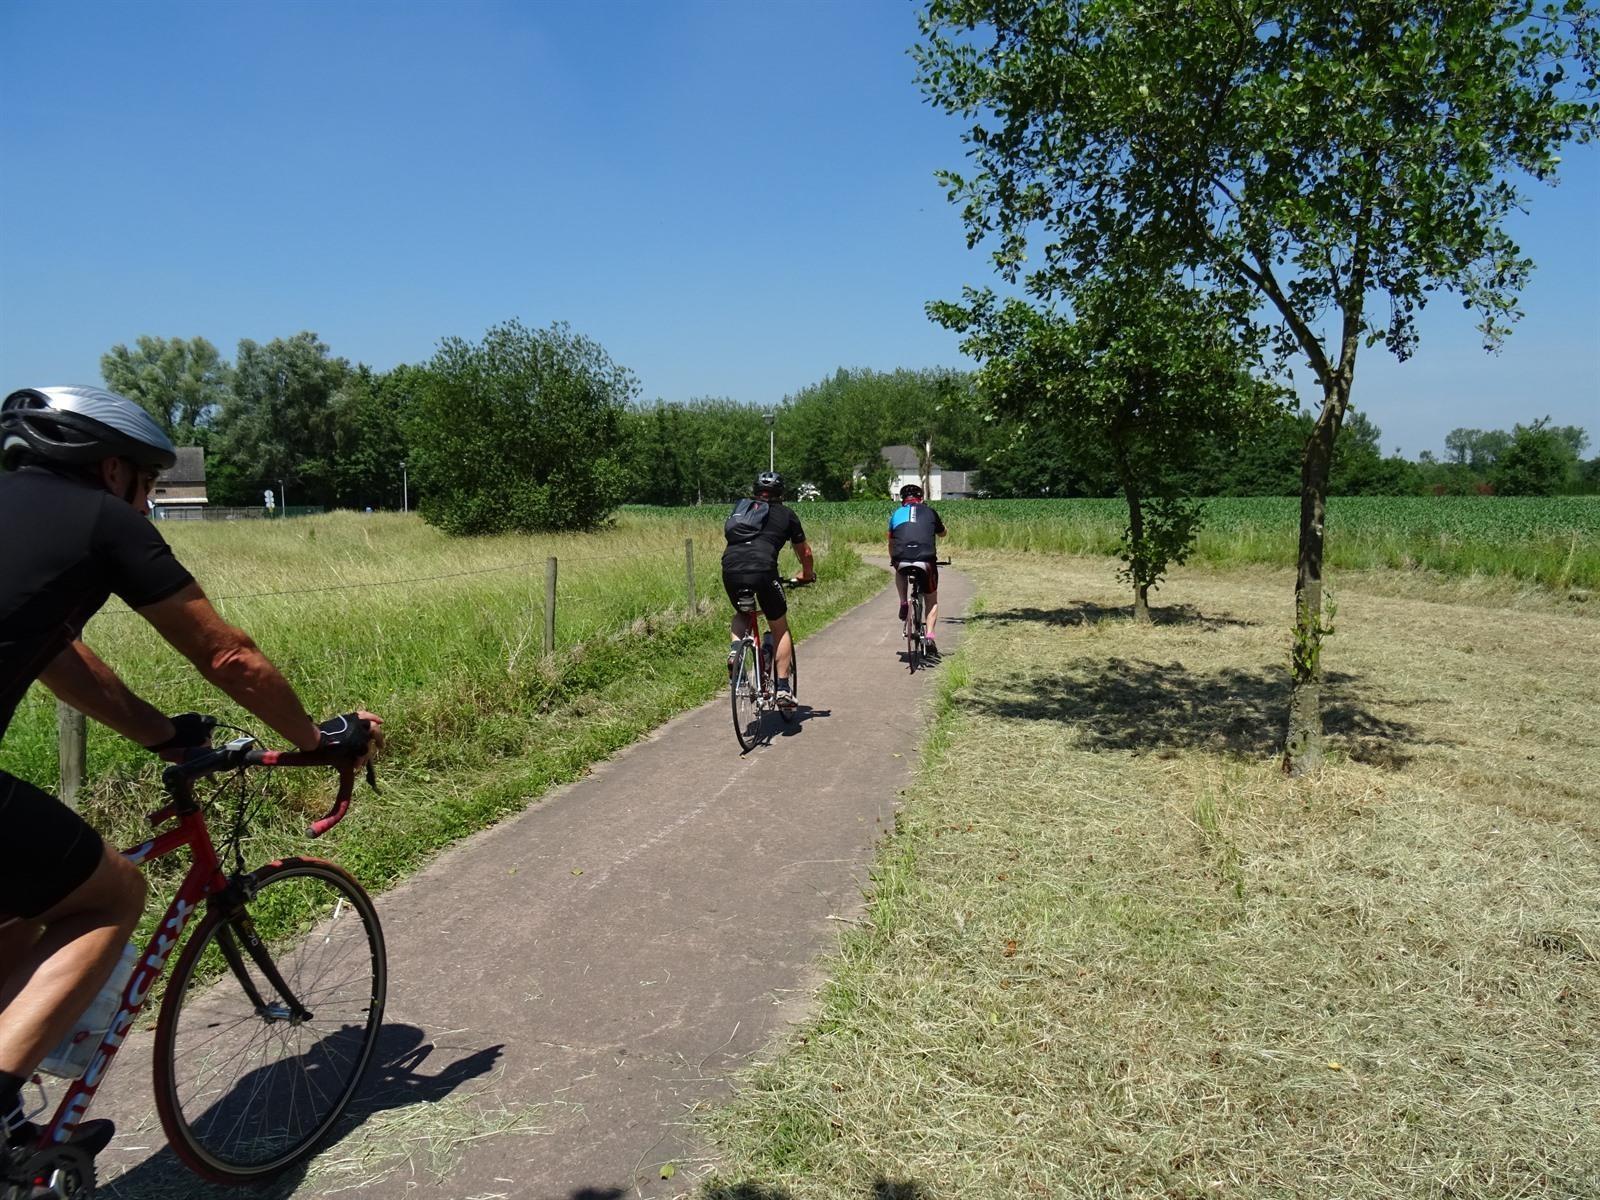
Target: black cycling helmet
x,y
80,426
911,491
770,482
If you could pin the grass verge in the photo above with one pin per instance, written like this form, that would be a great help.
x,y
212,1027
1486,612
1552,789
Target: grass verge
x,y
1111,951
480,723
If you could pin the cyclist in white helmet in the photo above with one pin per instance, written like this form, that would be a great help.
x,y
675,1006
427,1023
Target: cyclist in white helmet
x,y
76,468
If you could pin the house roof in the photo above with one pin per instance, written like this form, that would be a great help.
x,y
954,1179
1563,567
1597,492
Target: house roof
x,y
904,458
190,467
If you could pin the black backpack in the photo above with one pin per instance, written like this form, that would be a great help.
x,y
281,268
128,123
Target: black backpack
x,y
748,519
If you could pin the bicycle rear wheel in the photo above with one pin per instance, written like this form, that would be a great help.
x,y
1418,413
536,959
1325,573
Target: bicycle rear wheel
x,y
914,629
269,1021
745,695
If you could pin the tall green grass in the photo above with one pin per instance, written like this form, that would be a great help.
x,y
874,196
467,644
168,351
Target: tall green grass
x,y
1554,542
443,638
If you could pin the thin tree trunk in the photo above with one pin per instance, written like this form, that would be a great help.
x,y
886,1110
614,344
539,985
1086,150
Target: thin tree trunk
x,y
1303,746
1141,589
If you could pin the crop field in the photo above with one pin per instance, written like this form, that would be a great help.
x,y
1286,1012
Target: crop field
x,y
1552,542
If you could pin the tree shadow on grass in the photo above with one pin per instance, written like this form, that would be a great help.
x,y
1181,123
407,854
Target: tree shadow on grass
x,y
1089,613
881,1189
1148,707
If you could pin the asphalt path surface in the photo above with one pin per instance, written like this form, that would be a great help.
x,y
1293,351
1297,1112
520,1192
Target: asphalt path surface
x,y
568,989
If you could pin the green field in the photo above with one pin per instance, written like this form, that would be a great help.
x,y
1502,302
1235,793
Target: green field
x,y
443,638
1553,542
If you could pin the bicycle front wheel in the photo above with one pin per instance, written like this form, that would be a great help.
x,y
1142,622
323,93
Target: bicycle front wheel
x,y
269,1021
746,695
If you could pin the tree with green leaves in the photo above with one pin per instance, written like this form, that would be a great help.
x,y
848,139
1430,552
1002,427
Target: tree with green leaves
x,y
833,429
1540,460
1323,167
519,432
1142,371
182,383
704,451
368,414
277,425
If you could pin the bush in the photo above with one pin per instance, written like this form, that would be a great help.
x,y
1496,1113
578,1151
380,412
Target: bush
x,y
519,433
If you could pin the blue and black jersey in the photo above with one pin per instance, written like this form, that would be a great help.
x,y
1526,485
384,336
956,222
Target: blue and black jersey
x,y
912,530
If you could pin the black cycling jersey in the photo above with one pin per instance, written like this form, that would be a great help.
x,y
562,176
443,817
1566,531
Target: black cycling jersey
x,y
67,547
761,553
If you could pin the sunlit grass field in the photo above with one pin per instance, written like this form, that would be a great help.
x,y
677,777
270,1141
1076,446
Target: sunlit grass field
x,y
1111,950
1553,542
443,638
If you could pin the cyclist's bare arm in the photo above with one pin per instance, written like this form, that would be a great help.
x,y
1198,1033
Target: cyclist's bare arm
x,y
79,676
808,570
227,657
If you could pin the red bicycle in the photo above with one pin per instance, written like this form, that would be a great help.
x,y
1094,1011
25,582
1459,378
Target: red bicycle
x,y
274,1004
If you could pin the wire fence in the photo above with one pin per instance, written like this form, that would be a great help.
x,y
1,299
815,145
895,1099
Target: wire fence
x,y
72,730
207,512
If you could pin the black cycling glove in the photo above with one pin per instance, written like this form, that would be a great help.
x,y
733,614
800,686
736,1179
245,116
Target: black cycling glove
x,y
348,731
190,732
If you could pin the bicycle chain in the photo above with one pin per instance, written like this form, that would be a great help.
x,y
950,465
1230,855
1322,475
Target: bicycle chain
x,y
53,1173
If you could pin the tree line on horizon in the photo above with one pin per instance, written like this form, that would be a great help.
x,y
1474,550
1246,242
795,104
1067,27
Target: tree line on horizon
x,y
334,433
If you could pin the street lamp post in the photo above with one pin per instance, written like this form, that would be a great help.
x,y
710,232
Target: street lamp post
x,y
771,418
405,489
283,497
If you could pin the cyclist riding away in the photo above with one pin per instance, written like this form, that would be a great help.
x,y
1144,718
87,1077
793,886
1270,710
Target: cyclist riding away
x,y
756,533
78,465
913,530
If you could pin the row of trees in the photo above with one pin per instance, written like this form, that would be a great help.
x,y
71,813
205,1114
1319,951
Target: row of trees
x,y
334,434
522,430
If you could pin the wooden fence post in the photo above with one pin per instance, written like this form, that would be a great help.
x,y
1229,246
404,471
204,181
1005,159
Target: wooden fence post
x,y
72,745
688,569
550,605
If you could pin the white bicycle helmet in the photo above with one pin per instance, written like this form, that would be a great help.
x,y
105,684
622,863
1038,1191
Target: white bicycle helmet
x,y
79,426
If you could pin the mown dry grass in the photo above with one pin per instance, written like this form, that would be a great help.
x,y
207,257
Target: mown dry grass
x,y
1112,951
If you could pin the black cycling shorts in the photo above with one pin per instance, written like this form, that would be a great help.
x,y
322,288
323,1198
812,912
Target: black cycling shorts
x,y
930,572
768,590
47,851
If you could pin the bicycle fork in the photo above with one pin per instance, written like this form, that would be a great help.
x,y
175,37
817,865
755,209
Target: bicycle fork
x,y
237,927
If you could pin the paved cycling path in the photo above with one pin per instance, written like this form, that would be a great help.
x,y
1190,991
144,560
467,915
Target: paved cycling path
x,y
567,988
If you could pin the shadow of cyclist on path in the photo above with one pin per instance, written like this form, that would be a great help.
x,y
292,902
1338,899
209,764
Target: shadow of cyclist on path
x,y
392,1081
803,712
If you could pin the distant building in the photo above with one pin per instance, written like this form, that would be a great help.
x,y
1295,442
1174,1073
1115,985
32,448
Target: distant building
x,y
181,491
942,484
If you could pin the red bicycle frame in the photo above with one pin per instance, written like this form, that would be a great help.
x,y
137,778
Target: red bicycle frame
x,y
203,880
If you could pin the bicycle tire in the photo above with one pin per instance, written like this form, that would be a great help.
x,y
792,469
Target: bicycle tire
x,y
914,632
229,1110
745,695
792,714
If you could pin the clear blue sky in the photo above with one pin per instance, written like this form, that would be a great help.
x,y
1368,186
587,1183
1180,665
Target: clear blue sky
x,y
733,198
